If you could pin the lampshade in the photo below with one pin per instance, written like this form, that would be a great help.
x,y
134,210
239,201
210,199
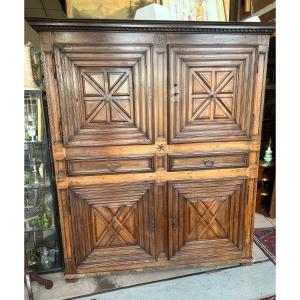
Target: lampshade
x,y
152,12
29,83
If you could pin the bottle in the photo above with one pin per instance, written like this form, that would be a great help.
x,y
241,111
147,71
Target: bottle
x,y
268,154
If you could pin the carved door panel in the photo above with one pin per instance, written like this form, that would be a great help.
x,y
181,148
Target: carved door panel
x,y
112,226
210,93
206,219
105,95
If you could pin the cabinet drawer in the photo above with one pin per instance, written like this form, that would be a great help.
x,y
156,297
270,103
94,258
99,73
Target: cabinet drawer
x,y
110,165
212,160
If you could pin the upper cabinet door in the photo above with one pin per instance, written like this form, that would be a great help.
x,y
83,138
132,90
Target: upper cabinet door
x,y
211,93
105,94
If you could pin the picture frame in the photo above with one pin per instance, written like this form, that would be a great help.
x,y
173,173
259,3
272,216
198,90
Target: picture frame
x,y
105,9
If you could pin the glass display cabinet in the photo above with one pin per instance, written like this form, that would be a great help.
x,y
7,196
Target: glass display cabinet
x,y
42,239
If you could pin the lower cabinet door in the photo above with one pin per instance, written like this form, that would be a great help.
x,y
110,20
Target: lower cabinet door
x,y
120,226
113,226
206,219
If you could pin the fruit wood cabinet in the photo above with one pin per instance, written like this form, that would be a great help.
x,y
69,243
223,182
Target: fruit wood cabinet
x,y
155,131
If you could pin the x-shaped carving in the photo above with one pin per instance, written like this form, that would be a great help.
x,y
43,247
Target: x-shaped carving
x,y
208,219
212,94
115,224
107,98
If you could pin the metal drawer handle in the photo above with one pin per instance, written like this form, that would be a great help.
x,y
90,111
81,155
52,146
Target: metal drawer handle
x,y
208,162
112,167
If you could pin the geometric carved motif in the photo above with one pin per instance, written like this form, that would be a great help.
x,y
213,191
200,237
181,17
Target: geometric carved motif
x,y
117,226
111,221
206,214
212,93
107,96
210,220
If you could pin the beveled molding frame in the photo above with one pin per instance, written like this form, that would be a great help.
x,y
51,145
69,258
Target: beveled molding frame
x,y
243,164
48,24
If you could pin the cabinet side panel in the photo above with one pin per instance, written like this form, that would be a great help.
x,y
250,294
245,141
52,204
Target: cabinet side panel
x,y
51,86
259,91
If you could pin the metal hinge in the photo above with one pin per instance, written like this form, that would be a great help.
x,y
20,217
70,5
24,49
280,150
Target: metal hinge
x,y
54,67
172,222
73,254
149,95
60,127
152,225
174,93
69,206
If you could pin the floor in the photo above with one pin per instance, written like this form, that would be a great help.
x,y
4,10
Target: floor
x,y
62,290
240,283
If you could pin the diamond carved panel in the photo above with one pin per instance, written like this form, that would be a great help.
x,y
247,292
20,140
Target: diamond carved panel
x,y
116,226
206,215
207,219
105,95
111,221
211,93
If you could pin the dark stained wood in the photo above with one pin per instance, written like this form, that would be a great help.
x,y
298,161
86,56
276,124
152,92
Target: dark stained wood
x,y
42,24
270,16
241,9
272,211
155,130
265,187
234,9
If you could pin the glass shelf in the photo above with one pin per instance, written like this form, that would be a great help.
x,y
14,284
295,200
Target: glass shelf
x,y
36,186
42,239
31,229
33,142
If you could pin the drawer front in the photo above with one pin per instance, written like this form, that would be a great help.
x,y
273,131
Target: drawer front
x,y
194,161
110,165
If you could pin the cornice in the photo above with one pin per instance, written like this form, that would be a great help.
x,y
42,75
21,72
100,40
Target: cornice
x,y
46,25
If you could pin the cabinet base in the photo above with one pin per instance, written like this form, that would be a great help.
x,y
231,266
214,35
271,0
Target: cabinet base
x,y
247,263
221,264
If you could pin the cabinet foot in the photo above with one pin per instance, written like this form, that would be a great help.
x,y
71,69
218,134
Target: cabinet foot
x,y
246,263
33,276
45,282
71,280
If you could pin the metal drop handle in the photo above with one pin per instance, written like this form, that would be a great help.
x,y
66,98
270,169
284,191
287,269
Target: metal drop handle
x,y
112,167
209,162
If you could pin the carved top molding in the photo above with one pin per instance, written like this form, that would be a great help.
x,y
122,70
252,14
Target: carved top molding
x,y
47,24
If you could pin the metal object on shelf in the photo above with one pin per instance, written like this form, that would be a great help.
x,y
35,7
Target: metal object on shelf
x,y
268,154
42,239
31,213
29,83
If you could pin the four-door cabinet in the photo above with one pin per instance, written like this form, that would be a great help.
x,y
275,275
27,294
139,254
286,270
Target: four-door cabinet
x,y
155,131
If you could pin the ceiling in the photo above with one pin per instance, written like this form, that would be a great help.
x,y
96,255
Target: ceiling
x,y
45,8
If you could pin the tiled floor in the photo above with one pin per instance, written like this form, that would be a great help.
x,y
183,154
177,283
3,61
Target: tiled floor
x,y
241,283
62,290
262,221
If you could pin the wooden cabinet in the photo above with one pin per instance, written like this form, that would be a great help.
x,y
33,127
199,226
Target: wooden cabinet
x,y
155,131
